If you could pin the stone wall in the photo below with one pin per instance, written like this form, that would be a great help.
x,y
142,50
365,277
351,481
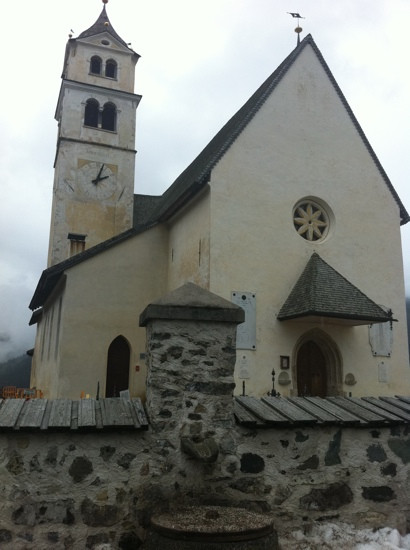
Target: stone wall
x,y
71,490
75,489
358,476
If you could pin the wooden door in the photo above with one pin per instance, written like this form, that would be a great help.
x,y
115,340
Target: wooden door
x,y
311,370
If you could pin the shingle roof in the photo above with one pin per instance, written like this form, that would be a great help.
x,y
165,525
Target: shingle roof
x,y
197,174
102,24
92,415
144,205
78,415
280,412
322,292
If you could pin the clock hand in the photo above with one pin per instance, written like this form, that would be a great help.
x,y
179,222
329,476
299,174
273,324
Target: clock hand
x,y
104,178
98,178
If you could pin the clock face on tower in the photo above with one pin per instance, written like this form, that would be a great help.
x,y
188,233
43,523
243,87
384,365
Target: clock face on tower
x,y
97,179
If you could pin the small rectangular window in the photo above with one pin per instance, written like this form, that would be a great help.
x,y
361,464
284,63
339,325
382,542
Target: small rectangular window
x,y
77,243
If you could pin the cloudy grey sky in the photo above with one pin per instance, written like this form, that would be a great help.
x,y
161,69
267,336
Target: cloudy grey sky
x,y
200,61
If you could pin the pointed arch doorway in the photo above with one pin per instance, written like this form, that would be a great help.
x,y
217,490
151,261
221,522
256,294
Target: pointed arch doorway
x,y
118,367
318,365
311,369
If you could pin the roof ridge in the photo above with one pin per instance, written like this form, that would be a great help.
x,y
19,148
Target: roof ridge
x,y
405,217
196,174
318,259
213,151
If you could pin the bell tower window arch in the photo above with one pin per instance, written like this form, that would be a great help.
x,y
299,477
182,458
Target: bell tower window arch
x,y
109,117
104,118
95,65
111,68
106,69
91,113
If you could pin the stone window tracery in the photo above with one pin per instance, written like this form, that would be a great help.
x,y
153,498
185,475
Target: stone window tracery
x,y
311,220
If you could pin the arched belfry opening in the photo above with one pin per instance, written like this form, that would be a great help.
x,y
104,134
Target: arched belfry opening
x,y
111,69
109,117
317,365
91,113
118,367
95,64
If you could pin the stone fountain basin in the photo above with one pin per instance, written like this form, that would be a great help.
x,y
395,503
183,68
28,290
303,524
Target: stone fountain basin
x,y
212,527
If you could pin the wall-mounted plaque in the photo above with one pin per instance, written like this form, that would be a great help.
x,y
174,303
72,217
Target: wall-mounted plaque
x,y
246,331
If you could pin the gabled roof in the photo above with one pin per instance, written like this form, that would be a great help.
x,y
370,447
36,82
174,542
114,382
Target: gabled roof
x,y
322,292
197,174
102,24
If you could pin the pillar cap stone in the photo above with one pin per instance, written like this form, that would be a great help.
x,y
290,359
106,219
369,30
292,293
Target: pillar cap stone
x,y
190,302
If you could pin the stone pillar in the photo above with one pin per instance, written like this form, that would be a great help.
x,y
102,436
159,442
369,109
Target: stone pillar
x,y
191,336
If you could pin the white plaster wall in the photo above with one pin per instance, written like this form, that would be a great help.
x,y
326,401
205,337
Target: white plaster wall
x,y
303,144
103,299
189,245
46,358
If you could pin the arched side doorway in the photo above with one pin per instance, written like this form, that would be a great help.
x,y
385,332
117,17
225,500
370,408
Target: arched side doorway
x,y
317,365
118,367
311,370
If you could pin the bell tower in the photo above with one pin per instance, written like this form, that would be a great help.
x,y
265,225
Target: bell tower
x,y
93,190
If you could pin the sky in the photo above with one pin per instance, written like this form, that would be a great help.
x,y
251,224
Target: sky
x,y
200,61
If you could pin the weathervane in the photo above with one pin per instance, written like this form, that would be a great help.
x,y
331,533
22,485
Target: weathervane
x,y
298,29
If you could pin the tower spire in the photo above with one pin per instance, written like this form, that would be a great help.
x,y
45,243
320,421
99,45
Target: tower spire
x,y
103,24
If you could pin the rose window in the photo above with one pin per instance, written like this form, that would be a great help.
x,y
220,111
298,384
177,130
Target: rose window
x,y
310,220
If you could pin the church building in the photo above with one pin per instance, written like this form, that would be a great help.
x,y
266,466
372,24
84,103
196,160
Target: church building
x,y
287,212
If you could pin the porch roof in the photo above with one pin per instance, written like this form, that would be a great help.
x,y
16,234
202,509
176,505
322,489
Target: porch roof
x,y
322,292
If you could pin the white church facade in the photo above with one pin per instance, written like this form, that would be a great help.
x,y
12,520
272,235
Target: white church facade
x,y
286,212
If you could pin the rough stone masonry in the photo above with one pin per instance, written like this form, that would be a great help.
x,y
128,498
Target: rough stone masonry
x,y
81,489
